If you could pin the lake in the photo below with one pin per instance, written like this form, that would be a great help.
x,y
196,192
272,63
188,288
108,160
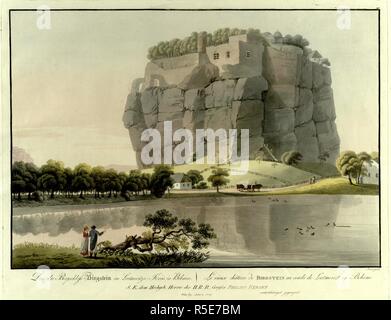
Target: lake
x,y
294,230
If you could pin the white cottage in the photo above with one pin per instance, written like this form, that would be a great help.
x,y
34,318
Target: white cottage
x,y
371,173
181,182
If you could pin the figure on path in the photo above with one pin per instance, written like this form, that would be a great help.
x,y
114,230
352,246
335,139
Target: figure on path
x,y
94,234
84,242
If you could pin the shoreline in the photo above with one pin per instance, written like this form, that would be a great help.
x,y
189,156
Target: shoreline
x,y
192,201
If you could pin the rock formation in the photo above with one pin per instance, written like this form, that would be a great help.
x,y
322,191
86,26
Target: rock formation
x,y
287,104
19,154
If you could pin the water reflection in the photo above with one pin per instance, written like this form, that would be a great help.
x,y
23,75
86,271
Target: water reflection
x,y
296,228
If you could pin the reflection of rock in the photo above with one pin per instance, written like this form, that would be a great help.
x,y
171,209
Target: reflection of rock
x,y
256,233
253,229
293,216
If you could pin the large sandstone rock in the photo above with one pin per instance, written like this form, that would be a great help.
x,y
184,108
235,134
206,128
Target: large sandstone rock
x,y
250,88
307,142
218,118
324,104
172,100
150,100
133,102
131,118
279,121
282,96
248,115
200,77
328,139
289,107
280,143
305,108
219,94
321,75
306,73
281,67
194,99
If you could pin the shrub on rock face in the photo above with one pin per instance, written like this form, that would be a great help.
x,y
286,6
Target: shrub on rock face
x,y
291,157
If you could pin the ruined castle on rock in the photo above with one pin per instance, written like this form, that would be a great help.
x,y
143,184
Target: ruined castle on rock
x,y
279,90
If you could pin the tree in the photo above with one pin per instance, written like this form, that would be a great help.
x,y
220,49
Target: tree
x,y
98,176
112,183
195,176
31,178
375,156
291,157
52,177
133,182
348,165
218,178
165,231
18,185
145,181
68,172
202,185
161,180
82,180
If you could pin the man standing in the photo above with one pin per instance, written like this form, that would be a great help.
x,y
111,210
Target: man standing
x,y
94,240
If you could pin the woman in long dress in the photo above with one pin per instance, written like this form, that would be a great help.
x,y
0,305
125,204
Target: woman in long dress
x,y
84,242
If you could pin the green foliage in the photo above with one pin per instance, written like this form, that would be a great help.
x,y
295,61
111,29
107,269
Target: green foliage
x,y
291,157
170,232
177,47
195,176
218,178
375,156
202,185
82,180
161,180
52,177
348,164
161,219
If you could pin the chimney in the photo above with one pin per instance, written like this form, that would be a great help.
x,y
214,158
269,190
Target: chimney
x,y
201,42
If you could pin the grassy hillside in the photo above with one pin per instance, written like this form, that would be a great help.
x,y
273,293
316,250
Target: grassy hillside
x,y
321,169
330,186
269,174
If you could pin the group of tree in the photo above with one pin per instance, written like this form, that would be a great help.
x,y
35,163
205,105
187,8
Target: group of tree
x,y
53,178
178,47
296,40
351,164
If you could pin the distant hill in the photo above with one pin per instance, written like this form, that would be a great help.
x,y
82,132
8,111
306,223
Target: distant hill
x,y
19,154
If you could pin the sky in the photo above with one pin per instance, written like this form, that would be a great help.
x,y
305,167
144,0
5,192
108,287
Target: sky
x,y
70,81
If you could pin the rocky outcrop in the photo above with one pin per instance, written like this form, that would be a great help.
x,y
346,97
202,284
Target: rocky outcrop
x,y
289,107
19,154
